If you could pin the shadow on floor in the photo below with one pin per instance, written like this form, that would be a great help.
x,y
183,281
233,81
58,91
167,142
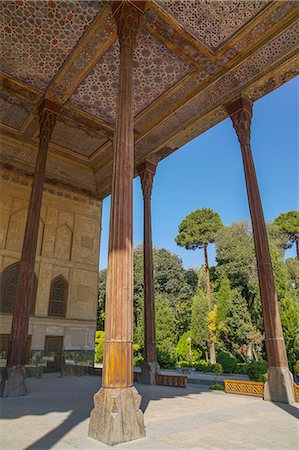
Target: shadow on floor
x,y
289,409
73,395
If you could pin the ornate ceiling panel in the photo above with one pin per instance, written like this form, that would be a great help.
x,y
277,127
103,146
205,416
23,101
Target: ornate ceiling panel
x,y
156,69
73,137
192,56
37,36
212,21
14,110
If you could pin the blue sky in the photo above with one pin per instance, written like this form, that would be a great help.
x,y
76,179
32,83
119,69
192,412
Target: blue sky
x,y
208,172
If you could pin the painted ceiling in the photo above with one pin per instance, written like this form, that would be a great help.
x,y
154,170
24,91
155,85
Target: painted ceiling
x,y
191,57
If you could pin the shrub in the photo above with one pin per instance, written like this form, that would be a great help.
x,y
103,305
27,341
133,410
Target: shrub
x,y
202,366
241,368
256,370
296,368
217,369
228,362
166,359
138,361
216,387
99,347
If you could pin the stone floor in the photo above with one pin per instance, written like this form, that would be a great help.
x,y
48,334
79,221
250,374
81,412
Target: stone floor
x,y
54,415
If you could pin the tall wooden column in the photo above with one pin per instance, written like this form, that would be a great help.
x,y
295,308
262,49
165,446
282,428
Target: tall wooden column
x,y
279,385
147,171
116,416
15,383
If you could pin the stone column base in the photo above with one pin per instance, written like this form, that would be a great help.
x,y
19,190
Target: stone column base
x,y
116,416
279,385
14,382
148,373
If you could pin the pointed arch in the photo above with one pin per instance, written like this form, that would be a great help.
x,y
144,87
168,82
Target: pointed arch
x,y
8,289
58,297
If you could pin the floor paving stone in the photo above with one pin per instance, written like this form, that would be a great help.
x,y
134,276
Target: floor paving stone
x,y
55,414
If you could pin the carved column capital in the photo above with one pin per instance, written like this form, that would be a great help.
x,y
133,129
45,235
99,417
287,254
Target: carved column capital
x,y
127,18
146,171
48,112
240,112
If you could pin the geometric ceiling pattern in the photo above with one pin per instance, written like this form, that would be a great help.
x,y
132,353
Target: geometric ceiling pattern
x,y
37,36
156,69
191,58
213,21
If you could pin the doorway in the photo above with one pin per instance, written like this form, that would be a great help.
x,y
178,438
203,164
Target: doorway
x,y
53,353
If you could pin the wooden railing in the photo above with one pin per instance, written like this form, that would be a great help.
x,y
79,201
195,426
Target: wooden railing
x,y
171,380
296,392
254,388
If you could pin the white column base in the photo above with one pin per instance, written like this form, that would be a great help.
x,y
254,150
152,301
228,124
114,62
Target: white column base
x,y
14,382
116,416
148,373
279,385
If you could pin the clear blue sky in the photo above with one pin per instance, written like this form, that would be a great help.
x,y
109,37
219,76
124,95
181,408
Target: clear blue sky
x,y
208,172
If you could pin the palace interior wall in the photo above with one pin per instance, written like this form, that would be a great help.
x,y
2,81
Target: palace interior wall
x,y
68,246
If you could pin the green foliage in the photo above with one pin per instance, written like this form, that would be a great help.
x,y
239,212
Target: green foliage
x,y
138,361
296,368
235,258
216,387
165,332
99,346
203,366
289,314
256,370
166,358
292,266
183,348
102,299
224,299
239,324
228,361
199,316
288,223
241,368
217,369
198,228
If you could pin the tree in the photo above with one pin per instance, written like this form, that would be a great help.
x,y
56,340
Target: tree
x,y
196,231
288,223
289,313
224,299
239,326
199,320
165,331
101,299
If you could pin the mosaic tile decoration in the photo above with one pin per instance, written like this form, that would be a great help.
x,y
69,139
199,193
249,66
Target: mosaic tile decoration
x,y
13,110
156,69
76,139
213,21
37,36
216,93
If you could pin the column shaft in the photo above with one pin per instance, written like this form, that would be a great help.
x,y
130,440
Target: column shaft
x,y
116,416
147,171
119,306
241,113
17,354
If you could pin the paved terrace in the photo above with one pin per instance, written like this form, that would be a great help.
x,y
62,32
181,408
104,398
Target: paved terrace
x,y
55,415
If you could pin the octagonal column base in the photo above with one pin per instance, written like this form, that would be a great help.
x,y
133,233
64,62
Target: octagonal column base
x,y
116,416
148,373
279,385
13,383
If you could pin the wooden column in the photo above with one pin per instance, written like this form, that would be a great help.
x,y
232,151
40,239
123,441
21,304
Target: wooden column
x,y
15,384
147,171
116,416
279,380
